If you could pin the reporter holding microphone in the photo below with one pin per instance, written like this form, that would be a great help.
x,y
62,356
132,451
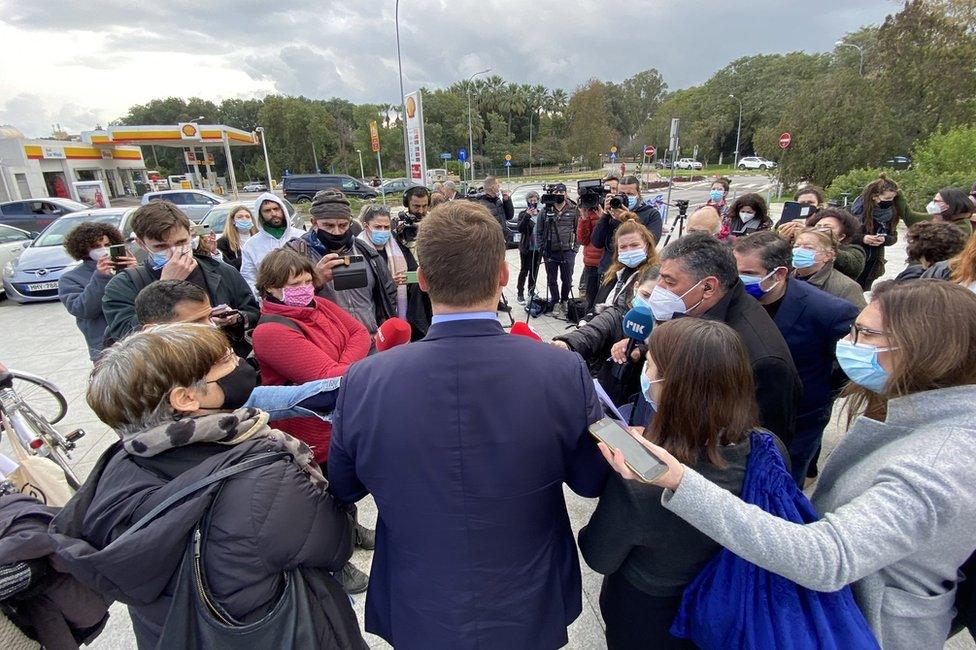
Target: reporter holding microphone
x,y
897,495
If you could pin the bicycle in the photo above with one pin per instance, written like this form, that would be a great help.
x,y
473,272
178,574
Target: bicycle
x,y
33,431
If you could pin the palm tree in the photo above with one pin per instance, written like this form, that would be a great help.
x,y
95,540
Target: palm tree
x,y
558,100
513,102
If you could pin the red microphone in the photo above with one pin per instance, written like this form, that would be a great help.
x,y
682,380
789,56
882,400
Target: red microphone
x,y
523,329
393,332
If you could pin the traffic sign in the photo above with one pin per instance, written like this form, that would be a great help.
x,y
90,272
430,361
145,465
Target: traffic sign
x,y
508,156
649,151
508,163
445,156
613,157
462,154
613,149
467,165
785,140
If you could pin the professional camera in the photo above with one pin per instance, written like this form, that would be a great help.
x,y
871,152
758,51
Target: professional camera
x,y
406,226
591,193
619,200
549,197
682,205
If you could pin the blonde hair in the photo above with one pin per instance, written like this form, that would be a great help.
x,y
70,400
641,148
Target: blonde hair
x,y
129,385
230,230
962,267
631,226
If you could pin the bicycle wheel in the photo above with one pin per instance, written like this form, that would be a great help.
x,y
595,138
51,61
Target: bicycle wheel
x,y
41,395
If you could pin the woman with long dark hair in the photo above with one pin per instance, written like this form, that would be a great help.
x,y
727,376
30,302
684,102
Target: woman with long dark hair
x,y
879,216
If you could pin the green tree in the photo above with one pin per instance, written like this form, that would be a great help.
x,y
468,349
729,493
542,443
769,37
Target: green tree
x,y
589,134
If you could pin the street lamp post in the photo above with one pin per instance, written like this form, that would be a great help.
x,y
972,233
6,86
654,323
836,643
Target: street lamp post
x,y
470,133
860,67
403,107
362,172
264,147
738,131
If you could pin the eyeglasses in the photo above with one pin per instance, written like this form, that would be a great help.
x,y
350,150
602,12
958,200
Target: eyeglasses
x,y
857,330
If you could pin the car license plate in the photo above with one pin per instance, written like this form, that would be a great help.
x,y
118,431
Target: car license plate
x,y
517,237
43,286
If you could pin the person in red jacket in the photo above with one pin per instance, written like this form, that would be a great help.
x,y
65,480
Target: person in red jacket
x,y
301,337
591,254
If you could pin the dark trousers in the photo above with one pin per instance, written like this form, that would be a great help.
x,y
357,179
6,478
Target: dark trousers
x,y
590,281
528,269
805,445
636,620
560,263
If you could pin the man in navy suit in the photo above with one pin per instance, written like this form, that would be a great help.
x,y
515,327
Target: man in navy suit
x,y
465,439
811,321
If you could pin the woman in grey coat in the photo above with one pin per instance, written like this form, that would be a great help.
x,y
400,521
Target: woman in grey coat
x,y
897,496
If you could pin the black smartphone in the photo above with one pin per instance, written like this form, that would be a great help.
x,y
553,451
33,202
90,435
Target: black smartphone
x,y
353,259
641,461
793,211
116,251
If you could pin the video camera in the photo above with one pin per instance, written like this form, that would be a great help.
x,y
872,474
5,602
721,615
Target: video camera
x,y
406,227
592,193
682,205
549,198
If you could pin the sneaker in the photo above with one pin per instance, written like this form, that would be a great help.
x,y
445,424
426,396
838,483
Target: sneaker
x,y
365,538
559,310
353,580
521,298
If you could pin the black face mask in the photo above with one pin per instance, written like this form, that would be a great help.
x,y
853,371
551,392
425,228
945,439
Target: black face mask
x,y
335,242
884,205
238,385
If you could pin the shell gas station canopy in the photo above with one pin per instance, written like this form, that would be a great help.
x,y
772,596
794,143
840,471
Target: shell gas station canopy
x,y
185,135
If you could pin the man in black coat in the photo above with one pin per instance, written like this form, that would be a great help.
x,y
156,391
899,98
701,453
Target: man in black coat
x,y
699,278
605,228
498,204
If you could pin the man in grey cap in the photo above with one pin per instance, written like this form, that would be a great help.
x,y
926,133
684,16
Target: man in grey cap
x,y
328,243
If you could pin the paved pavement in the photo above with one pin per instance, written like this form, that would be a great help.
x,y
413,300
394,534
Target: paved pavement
x,y
42,338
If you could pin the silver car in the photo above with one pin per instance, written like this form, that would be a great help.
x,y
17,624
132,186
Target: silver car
x,y
217,217
13,241
195,203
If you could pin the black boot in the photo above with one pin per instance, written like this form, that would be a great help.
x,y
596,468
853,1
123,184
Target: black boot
x,y
353,580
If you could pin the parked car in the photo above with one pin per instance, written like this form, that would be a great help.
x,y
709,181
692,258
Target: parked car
x,y
398,185
662,164
33,276
898,162
255,186
195,203
34,215
756,162
437,174
300,188
688,163
13,241
217,216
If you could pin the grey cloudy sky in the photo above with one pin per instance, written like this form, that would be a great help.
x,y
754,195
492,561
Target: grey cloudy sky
x,y
80,63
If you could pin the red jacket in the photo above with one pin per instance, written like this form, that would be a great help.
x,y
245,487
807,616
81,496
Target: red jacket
x,y
584,232
329,341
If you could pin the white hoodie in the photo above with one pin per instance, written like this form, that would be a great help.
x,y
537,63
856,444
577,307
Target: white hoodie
x,y
264,242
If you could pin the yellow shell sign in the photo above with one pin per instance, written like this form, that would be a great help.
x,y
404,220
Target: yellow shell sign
x,y
411,107
189,131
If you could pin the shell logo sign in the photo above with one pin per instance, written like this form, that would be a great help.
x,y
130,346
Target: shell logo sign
x,y
189,131
411,107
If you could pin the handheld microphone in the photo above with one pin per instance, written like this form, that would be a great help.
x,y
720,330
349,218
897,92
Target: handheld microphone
x,y
393,332
523,329
637,327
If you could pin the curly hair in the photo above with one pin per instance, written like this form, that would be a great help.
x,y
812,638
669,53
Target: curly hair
x,y
757,203
87,235
934,241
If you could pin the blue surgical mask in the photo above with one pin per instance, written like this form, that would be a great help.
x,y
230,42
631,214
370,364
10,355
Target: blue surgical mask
x,y
645,385
632,259
632,201
860,363
243,224
158,259
803,258
380,237
640,304
716,195
754,284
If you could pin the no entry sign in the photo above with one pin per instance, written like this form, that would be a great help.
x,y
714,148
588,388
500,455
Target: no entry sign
x,y
785,140
649,150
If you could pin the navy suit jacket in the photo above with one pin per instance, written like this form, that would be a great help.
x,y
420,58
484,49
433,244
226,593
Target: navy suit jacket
x,y
465,439
812,321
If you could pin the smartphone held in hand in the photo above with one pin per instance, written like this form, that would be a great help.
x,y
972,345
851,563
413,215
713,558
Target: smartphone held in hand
x,y
638,458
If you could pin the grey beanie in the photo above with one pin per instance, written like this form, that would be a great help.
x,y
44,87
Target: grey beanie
x,y
330,204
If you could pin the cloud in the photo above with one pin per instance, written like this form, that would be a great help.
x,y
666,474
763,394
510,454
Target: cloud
x,y
127,54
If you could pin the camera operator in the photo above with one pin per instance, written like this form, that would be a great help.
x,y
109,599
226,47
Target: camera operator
x,y
499,204
416,200
328,243
628,198
529,255
557,235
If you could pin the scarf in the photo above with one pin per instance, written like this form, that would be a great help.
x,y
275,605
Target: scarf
x,y
398,264
274,232
228,428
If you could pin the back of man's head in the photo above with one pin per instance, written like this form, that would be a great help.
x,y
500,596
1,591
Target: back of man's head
x,y
705,219
702,255
461,251
774,251
160,301
155,219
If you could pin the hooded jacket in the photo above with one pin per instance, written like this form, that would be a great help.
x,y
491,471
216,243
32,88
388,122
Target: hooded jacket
x,y
263,242
263,522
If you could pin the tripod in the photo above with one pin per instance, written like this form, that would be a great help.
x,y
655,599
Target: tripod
x,y
679,219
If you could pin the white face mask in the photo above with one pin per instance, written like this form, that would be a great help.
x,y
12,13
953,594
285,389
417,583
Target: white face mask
x,y
98,253
665,303
933,208
747,216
